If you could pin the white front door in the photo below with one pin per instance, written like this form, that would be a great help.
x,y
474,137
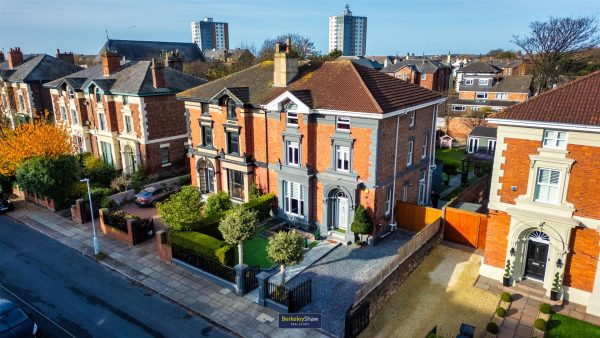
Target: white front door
x,y
473,145
491,146
342,215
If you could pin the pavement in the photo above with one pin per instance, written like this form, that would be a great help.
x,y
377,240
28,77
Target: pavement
x,y
70,295
142,265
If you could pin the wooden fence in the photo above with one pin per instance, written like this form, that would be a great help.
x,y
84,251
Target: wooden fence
x,y
465,227
404,252
414,217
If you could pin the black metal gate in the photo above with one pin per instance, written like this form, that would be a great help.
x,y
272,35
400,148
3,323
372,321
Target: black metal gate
x,y
250,281
357,319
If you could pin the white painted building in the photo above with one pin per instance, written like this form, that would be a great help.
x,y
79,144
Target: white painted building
x,y
208,34
348,33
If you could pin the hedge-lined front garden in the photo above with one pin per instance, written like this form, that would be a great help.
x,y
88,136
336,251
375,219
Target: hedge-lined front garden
x,y
204,245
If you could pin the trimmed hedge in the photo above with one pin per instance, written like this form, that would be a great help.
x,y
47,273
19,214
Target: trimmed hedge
x,y
545,308
500,311
204,245
506,297
492,328
540,324
210,224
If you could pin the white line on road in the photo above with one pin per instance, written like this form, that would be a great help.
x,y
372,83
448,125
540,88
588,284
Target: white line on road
x,y
36,310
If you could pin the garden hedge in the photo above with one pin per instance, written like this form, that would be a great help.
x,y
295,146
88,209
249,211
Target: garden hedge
x,y
204,245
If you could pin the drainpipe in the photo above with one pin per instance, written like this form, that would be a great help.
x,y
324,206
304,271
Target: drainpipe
x,y
431,154
267,150
393,225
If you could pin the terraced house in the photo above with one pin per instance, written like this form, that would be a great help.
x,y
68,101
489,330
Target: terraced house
x,y
430,74
127,114
22,79
544,206
322,137
482,86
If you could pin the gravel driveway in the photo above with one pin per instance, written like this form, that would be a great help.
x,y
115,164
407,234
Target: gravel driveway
x,y
439,292
339,275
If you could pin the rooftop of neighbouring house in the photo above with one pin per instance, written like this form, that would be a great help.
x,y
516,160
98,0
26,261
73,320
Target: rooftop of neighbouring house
x,y
482,131
133,50
332,85
577,102
419,65
480,67
506,84
40,67
133,78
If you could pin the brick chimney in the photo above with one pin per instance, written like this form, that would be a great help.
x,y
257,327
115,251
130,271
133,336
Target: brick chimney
x,y
173,60
111,62
285,64
1,56
158,74
66,57
15,57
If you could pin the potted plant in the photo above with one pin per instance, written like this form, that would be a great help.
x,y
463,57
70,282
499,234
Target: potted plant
x,y
555,287
506,277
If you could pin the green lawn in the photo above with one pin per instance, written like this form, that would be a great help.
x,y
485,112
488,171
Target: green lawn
x,y
450,155
255,252
562,326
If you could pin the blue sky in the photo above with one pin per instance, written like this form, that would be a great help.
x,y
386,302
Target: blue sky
x,y
416,26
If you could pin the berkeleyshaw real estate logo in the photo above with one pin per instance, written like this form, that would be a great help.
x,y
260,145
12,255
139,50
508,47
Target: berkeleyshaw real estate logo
x,y
299,320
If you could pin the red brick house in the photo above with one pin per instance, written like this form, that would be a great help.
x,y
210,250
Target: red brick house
x,y
430,74
321,136
544,205
21,83
127,114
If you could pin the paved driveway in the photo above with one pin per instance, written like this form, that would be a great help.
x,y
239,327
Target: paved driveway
x,y
143,212
439,292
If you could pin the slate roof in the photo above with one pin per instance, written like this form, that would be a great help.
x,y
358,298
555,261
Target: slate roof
x,y
233,54
506,63
335,85
40,67
421,65
577,102
508,84
483,102
133,78
480,67
363,61
484,131
132,50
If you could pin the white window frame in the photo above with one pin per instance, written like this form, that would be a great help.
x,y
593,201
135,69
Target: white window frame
x,y
162,160
128,117
21,102
468,82
107,155
289,196
405,193
342,158
411,118
483,94
63,114
422,199
501,96
292,150
483,82
491,147
341,122
423,77
74,117
409,153
458,108
552,139
424,147
552,187
290,117
102,120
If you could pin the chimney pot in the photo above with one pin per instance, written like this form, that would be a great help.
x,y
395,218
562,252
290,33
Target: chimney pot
x,y
158,74
66,57
285,64
15,57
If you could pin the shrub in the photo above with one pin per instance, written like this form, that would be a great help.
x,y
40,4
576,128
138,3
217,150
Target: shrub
x,y
506,297
99,172
124,215
204,245
361,224
216,203
181,211
540,324
51,178
185,180
263,205
138,178
99,197
500,311
237,226
545,308
254,191
120,183
492,328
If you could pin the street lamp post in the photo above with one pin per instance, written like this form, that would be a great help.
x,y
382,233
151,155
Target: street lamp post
x,y
95,240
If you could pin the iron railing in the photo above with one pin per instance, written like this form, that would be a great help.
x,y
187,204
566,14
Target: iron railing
x,y
357,319
203,263
293,297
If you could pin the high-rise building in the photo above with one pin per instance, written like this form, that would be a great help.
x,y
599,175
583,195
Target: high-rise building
x,y
348,33
208,34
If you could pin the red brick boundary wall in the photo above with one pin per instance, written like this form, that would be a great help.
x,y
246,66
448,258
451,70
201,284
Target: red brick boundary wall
x,y
116,233
41,201
163,247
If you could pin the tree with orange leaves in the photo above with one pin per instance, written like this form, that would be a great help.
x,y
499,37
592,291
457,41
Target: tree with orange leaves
x,y
39,138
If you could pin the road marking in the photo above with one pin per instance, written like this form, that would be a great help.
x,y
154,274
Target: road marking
x,y
36,310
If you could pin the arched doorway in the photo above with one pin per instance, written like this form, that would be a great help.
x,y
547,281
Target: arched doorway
x,y
537,255
339,205
128,159
206,176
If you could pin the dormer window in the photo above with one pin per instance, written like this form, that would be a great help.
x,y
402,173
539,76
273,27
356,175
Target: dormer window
x,y
98,95
231,110
71,93
483,82
125,100
555,139
291,112
468,82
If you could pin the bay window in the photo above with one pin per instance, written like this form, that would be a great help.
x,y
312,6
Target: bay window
x,y
293,198
235,180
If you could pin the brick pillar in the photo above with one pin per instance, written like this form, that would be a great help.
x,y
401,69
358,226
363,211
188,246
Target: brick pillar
x,y
240,277
262,278
163,247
